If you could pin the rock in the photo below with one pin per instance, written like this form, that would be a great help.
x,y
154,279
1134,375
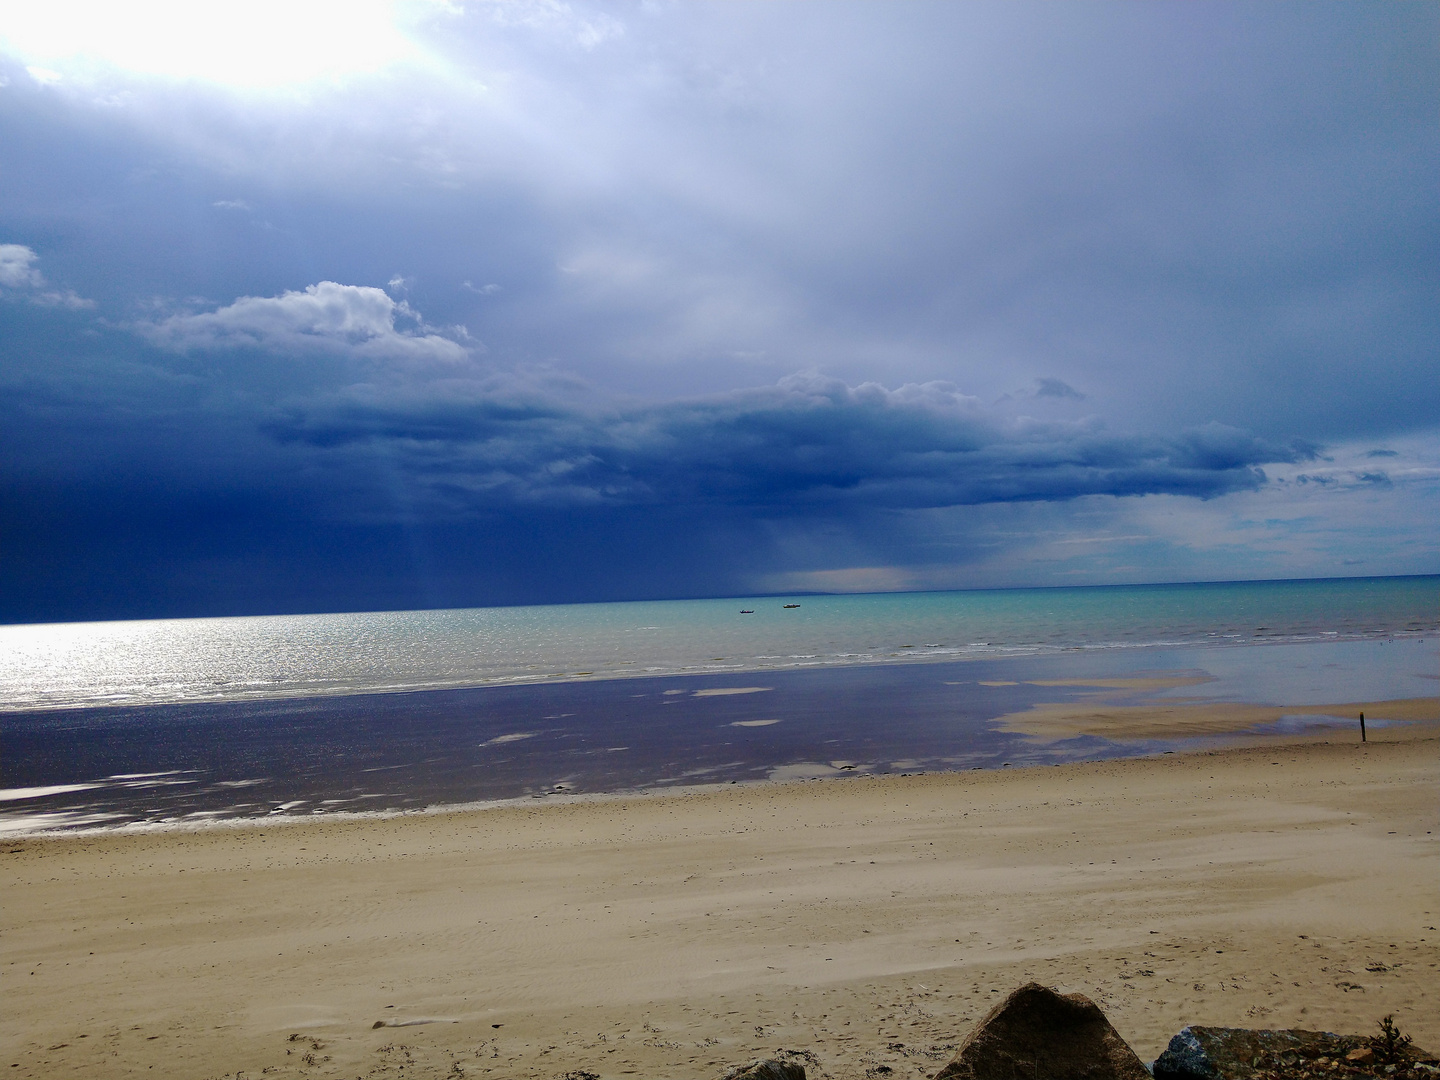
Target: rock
x,y
768,1069
1216,1053
1037,1034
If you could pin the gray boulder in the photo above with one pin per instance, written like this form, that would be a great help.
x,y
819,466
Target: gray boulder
x,y
1038,1034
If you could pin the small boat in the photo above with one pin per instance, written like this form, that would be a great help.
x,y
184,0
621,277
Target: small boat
x,y
792,605
747,611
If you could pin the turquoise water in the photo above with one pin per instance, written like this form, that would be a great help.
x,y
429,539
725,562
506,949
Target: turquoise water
x,y
238,659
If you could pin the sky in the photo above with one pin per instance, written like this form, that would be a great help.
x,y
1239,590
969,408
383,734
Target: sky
x,y
329,306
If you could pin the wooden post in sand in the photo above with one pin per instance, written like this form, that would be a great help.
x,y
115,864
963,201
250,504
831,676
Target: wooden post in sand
x,y
1362,727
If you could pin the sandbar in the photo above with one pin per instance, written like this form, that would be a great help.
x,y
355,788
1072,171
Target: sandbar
x,y
1187,720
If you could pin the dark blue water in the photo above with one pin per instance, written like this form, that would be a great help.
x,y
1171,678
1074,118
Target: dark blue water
x,y
193,762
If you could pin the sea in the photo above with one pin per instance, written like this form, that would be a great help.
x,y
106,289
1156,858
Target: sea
x,y
185,723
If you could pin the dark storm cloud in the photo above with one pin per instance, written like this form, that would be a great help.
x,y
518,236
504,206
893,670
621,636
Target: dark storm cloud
x,y
1056,388
312,453
809,443
327,381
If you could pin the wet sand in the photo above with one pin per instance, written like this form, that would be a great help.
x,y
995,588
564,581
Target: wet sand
x,y
1105,718
866,921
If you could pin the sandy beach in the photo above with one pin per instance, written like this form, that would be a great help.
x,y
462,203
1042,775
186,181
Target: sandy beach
x,y
865,922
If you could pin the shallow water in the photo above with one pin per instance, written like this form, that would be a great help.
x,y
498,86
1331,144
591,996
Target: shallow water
x,y
187,763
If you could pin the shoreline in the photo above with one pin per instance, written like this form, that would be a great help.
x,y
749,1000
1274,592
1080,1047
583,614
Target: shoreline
x,y
675,933
1186,727
1115,711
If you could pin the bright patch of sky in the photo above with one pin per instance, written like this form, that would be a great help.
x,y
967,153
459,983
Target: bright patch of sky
x,y
257,44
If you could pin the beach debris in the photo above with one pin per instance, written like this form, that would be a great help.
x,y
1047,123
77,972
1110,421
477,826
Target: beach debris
x,y
766,1069
1037,1032
1390,1046
1217,1053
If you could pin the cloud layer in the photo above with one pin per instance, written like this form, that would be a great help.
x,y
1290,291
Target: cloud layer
x,y
1055,278
808,444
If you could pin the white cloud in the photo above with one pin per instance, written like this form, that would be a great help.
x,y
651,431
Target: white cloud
x,y
18,272
17,269
357,320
